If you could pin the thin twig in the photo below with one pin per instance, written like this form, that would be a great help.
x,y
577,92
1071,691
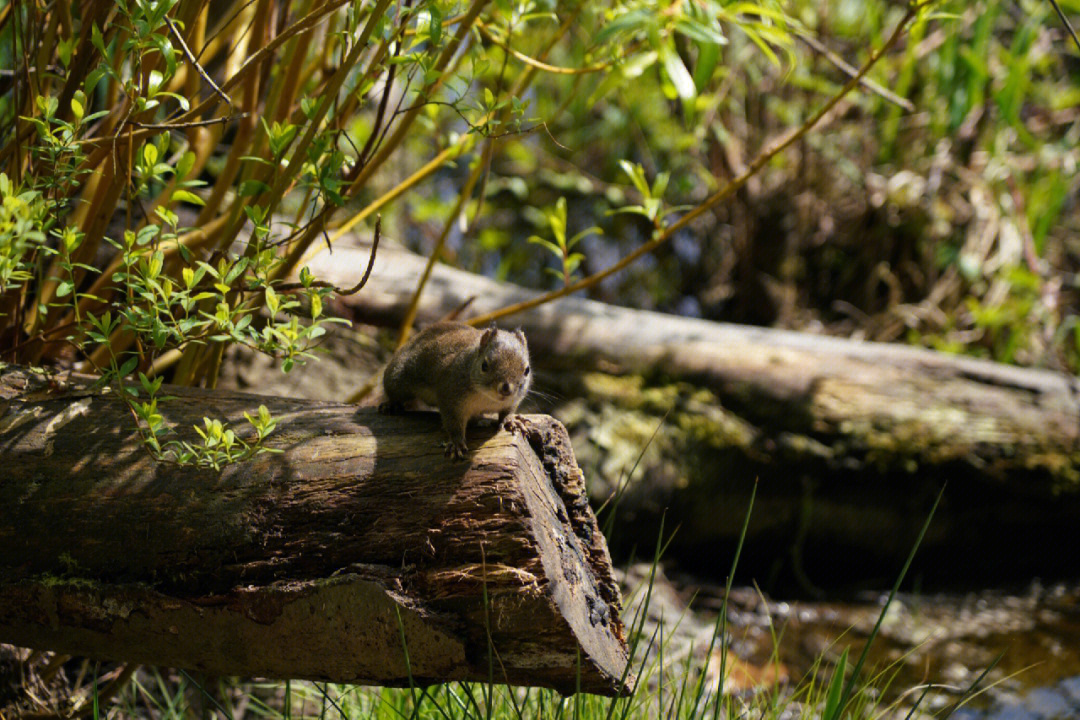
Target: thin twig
x,y
522,82
191,124
394,140
380,113
1065,21
818,47
540,64
191,59
287,287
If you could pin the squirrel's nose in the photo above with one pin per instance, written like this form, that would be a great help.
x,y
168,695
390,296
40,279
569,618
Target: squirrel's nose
x,y
505,390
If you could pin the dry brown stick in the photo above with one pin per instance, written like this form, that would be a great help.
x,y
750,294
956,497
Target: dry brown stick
x,y
819,47
195,63
287,287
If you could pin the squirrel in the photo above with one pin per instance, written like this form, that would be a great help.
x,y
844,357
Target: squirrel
x,y
464,371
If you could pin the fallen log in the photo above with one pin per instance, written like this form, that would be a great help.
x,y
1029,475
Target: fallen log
x,y
327,561
885,405
849,442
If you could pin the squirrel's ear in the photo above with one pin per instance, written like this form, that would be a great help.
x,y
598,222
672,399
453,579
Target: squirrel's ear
x,y
520,335
487,337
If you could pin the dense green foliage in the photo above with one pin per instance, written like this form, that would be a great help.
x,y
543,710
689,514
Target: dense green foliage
x,y
952,225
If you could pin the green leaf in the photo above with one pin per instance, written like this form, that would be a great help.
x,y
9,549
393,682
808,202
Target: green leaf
x,y
676,71
94,76
435,24
185,165
146,234
632,20
660,184
187,196
832,708
637,177
257,159
150,386
700,32
157,261
98,40
128,366
708,58
165,47
272,300
234,272
638,64
552,247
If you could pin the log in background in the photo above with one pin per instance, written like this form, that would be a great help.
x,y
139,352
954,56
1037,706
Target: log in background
x,y
850,441
316,563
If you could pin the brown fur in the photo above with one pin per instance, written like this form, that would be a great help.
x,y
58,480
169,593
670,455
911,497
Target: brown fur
x,y
463,371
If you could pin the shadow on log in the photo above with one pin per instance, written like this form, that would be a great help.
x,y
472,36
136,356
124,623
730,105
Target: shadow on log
x,y
322,562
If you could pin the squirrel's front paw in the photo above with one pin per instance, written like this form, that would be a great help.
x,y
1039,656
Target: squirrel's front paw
x,y
390,408
514,424
455,449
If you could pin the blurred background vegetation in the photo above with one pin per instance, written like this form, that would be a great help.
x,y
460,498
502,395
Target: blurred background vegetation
x,y
952,226
948,219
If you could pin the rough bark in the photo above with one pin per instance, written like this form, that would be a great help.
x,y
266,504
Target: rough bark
x,y
323,562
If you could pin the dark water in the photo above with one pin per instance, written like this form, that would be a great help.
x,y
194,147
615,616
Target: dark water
x,y
1019,649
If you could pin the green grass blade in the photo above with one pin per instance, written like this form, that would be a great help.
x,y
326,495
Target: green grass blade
x,y
849,688
836,686
722,619
971,691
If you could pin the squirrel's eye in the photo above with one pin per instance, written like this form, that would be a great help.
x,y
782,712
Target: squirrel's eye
x,y
484,366
527,370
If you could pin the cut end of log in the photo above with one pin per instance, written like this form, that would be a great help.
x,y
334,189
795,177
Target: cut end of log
x,y
359,554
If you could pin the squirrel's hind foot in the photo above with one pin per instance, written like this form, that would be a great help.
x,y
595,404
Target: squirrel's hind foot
x,y
455,450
